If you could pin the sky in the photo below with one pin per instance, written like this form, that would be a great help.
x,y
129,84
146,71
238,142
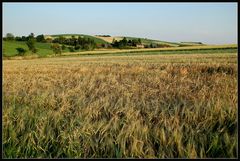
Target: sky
x,y
211,23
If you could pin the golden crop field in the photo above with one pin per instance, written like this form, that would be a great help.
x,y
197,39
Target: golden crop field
x,y
149,106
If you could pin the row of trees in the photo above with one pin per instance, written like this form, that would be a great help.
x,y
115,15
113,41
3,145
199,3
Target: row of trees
x,y
103,35
126,43
78,43
10,37
155,45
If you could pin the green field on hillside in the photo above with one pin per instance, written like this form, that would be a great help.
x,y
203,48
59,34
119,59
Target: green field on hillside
x,y
9,48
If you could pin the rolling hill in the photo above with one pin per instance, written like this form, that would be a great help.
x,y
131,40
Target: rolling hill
x,y
103,40
145,41
44,49
97,40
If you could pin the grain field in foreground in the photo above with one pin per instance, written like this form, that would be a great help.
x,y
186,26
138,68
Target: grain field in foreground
x,y
160,106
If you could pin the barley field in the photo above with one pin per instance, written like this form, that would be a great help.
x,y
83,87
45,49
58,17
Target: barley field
x,y
140,106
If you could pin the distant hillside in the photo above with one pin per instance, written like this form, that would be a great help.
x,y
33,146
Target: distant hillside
x,y
44,49
192,43
97,40
103,39
109,39
146,41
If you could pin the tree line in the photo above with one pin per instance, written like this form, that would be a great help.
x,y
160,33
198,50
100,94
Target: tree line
x,y
126,43
78,43
10,37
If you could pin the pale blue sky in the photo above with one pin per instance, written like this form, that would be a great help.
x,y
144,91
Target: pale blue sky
x,y
214,23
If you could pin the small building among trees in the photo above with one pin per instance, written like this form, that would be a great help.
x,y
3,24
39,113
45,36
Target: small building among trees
x,y
139,45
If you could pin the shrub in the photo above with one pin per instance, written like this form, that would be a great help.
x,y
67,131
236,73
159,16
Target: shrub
x,y
21,51
71,49
57,49
77,47
34,50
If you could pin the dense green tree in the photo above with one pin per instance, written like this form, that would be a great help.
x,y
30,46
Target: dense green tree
x,y
40,38
61,39
139,41
31,45
9,36
24,38
17,38
63,47
124,41
31,36
134,42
